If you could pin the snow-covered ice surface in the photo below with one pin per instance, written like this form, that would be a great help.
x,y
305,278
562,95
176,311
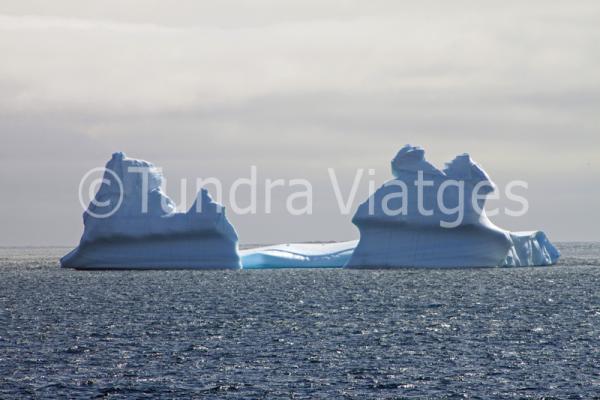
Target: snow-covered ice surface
x,y
299,255
413,238
155,236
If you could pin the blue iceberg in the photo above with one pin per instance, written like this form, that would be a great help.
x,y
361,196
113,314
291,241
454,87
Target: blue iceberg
x,y
530,249
299,255
132,224
408,225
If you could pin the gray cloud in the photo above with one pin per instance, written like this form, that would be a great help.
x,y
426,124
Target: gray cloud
x,y
207,90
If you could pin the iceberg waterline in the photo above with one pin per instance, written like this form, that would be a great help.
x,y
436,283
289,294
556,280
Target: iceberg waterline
x,y
531,248
203,238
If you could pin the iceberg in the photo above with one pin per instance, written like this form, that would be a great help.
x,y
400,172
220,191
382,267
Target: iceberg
x,y
132,224
421,218
407,224
299,255
530,249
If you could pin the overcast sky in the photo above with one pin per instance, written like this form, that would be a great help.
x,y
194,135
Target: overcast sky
x,y
209,88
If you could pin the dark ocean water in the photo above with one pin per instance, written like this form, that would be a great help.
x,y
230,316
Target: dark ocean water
x,y
486,333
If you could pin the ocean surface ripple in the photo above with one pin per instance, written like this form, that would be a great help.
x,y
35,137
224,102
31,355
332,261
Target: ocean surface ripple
x,y
458,333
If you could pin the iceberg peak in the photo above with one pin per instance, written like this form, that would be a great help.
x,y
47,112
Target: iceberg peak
x,y
412,159
118,155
